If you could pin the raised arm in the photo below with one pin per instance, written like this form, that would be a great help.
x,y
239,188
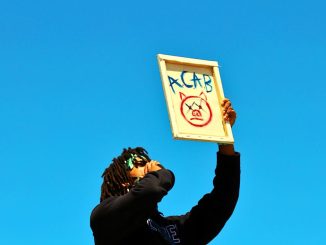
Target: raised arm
x,y
208,217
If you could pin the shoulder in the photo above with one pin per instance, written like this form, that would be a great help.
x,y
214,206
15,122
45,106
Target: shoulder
x,y
101,211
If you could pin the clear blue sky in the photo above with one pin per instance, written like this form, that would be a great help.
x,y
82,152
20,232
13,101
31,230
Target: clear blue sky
x,y
79,81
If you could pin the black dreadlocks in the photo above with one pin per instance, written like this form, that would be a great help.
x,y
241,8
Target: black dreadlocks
x,y
116,178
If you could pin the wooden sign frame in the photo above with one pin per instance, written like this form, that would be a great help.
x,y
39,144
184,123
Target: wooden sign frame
x,y
194,131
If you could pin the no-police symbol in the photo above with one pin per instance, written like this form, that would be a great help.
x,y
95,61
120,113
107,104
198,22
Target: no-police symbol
x,y
195,109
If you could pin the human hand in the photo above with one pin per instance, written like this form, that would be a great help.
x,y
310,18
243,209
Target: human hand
x,y
229,114
152,166
139,171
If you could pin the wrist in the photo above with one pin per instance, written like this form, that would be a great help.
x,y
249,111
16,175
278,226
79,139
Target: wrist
x,y
226,149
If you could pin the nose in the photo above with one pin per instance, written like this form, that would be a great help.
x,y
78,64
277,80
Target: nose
x,y
196,113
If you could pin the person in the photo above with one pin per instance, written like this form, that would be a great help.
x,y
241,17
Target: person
x,y
133,185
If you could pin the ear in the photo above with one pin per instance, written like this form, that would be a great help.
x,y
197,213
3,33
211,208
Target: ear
x,y
203,96
182,95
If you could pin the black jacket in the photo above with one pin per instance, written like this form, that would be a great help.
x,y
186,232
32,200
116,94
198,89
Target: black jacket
x,y
133,218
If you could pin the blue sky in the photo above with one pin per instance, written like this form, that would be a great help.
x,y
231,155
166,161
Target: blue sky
x,y
79,81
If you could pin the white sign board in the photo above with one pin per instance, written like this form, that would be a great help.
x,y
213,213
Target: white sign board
x,y
193,93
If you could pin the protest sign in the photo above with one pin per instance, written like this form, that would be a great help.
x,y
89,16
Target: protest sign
x,y
193,93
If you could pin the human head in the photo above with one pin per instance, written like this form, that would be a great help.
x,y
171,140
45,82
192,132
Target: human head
x,y
116,178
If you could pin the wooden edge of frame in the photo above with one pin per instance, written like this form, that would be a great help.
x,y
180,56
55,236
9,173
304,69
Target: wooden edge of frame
x,y
187,61
220,94
173,123
216,139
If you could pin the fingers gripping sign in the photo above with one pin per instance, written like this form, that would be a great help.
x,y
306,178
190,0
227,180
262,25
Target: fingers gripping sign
x,y
229,114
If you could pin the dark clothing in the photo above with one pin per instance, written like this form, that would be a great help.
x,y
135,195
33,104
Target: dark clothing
x,y
133,218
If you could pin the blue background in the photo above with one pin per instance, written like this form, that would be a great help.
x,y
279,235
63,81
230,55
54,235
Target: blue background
x,y
79,81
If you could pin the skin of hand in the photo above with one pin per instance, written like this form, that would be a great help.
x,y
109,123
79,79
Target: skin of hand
x,y
152,166
229,115
141,171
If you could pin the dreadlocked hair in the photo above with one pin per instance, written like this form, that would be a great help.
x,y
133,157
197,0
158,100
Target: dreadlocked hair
x,y
116,178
